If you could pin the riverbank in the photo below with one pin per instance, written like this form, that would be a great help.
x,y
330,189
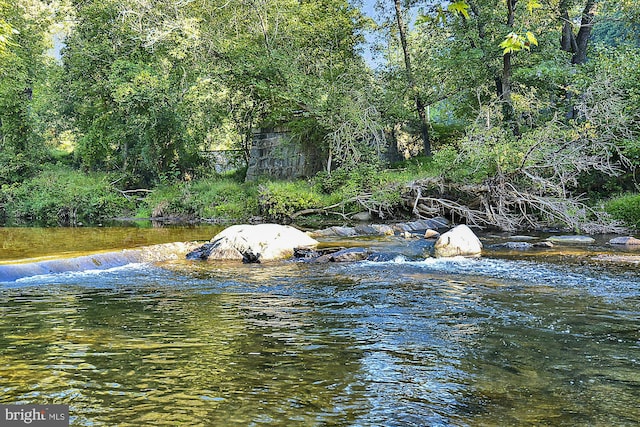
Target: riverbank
x,y
60,196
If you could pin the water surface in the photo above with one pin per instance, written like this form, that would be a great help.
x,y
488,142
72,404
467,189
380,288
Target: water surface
x,y
502,340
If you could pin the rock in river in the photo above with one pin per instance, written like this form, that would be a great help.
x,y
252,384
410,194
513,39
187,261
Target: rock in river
x,y
460,241
585,240
345,255
625,241
253,243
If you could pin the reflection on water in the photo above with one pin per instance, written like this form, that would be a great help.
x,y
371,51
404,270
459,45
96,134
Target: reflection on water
x,y
25,243
484,342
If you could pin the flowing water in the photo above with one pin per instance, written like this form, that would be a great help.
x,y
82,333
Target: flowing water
x,y
551,338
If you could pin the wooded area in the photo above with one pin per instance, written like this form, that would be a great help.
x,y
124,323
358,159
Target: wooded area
x,y
529,110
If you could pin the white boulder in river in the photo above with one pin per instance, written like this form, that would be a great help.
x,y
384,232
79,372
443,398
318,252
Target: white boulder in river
x,y
460,241
253,243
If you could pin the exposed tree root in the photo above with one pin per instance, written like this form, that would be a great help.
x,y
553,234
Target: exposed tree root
x,y
497,204
500,204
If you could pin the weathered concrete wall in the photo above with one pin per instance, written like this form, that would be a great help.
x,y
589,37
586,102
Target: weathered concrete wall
x,y
273,154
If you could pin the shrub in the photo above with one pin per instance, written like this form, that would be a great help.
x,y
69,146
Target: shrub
x,y
625,208
350,181
16,166
166,200
225,199
212,198
279,200
61,196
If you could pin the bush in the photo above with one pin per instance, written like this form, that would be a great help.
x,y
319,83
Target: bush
x,y
350,181
61,196
625,208
213,198
16,166
279,200
167,200
225,198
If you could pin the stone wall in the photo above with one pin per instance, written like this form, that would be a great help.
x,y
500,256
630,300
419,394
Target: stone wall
x,y
275,155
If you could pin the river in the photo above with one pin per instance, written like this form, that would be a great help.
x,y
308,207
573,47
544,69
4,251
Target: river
x,y
518,339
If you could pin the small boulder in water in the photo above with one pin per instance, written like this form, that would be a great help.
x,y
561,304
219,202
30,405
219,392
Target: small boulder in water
x,y
584,240
253,243
431,234
335,231
516,246
345,255
460,241
311,254
522,246
543,244
625,241
522,238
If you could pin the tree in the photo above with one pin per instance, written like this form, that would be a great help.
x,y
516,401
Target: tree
x,y
577,43
295,64
23,30
7,31
420,107
142,77
126,86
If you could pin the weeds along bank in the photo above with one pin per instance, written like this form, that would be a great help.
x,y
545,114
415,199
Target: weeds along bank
x,y
63,196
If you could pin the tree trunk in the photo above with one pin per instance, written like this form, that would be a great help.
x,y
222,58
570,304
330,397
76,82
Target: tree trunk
x,y
420,107
503,84
568,40
582,39
577,45
505,81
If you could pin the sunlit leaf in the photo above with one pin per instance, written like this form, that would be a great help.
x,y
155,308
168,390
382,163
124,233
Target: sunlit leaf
x,y
532,5
459,6
513,43
423,19
532,39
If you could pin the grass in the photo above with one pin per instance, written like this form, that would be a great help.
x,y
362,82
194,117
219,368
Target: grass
x,y
220,198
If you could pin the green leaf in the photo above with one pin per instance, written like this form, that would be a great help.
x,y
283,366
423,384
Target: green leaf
x,y
532,39
459,6
439,18
513,43
532,5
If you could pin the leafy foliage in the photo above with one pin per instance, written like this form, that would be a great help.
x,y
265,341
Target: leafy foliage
x,y
22,62
211,199
60,196
142,91
461,7
515,42
625,208
279,200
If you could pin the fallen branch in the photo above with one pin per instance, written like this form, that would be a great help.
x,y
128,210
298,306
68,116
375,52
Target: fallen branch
x,y
497,203
325,210
139,190
127,193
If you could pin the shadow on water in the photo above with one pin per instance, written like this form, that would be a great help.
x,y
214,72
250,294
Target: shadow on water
x,y
515,340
